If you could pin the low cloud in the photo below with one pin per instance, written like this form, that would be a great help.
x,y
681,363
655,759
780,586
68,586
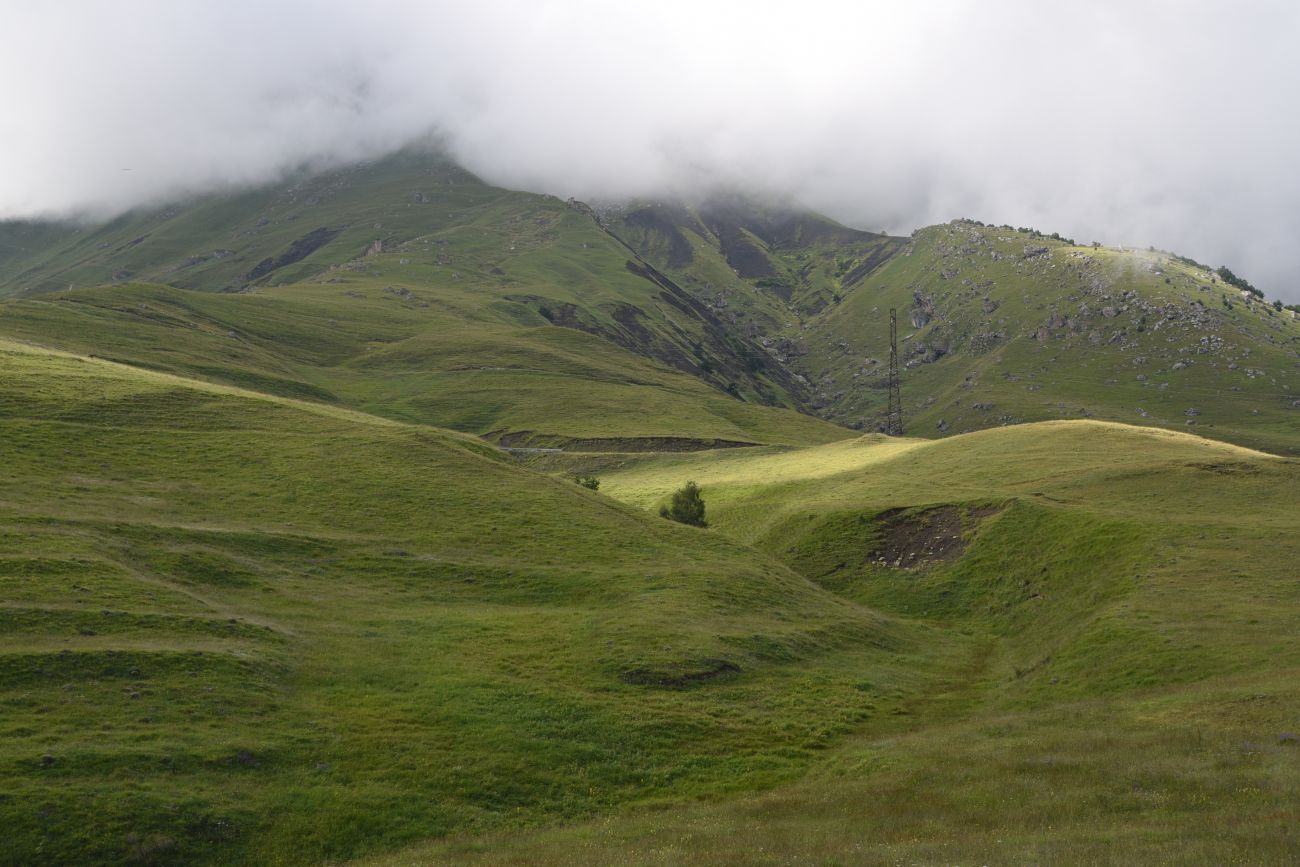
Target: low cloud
x,y
1159,122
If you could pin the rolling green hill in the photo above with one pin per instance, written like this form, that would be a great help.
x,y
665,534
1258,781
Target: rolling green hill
x,y
431,356
293,568
245,629
1132,596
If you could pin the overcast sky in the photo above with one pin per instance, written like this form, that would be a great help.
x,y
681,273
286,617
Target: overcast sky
x,y
1168,123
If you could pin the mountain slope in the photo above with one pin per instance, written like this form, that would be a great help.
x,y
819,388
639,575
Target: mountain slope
x,y
999,326
766,303
760,267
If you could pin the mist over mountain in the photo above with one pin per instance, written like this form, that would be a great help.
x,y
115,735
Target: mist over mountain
x,y
1145,123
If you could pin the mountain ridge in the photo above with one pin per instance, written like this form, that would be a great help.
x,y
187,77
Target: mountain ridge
x,y
764,303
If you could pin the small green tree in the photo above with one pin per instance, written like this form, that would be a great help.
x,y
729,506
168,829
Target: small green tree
x,y
687,506
590,482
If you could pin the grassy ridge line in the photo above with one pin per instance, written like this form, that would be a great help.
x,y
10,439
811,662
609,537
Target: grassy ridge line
x,y
471,444
364,634
132,372
734,476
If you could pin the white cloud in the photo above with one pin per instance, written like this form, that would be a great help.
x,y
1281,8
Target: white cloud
x,y
1153,122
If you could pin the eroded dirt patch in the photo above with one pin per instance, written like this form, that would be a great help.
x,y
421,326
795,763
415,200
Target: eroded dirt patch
x,y
912,539
682,675
1228,468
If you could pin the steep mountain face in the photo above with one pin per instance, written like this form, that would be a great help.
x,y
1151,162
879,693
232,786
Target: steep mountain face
x,y
412,289
760,267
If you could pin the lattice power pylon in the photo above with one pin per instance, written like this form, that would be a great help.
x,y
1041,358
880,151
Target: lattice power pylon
x,y
894,419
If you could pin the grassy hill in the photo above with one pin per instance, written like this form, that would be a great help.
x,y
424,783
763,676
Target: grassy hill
x,y
245,629
1132,595
1006,327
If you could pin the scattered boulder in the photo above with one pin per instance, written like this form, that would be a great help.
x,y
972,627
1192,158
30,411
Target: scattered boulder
x,y
922,309
245,759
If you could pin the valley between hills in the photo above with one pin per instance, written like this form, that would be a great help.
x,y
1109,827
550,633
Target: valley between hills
x,y
294,568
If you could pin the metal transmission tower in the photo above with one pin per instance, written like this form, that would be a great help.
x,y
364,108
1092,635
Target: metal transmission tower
x,y
894,420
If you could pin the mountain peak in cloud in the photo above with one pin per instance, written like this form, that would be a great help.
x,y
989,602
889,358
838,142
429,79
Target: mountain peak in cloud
x,y
1137,122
